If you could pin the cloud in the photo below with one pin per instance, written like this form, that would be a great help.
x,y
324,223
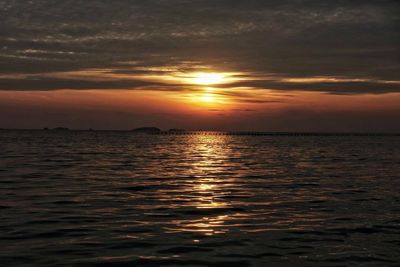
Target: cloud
x,y
302,38
320,84
44,84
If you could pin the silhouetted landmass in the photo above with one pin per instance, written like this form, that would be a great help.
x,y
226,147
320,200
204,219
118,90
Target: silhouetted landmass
x,y
45,129
60,129
152,130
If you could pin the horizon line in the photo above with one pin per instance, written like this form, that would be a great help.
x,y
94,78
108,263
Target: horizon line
x,y
213,132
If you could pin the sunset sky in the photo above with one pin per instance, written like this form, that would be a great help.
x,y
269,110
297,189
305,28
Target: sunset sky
x,y
263,65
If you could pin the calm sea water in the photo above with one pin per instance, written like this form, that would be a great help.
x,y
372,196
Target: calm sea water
x,y
118,199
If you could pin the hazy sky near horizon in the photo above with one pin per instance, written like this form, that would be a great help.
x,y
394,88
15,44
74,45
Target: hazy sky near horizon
x,y
271,65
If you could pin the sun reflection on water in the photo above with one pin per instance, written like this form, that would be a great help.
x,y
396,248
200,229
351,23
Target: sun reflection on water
x,y
206,188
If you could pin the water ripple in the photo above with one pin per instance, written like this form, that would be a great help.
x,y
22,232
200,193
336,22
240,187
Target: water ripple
x,y
118,199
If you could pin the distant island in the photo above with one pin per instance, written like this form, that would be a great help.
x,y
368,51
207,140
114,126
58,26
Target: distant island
x,y
151,130
155,130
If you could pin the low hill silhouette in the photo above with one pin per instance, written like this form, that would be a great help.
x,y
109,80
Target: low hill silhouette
x,y
147,130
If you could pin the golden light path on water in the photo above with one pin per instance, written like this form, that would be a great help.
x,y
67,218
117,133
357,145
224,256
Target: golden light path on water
x,y
213,198
207,189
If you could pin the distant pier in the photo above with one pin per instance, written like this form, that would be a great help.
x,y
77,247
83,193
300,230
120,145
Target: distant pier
x,y
238,133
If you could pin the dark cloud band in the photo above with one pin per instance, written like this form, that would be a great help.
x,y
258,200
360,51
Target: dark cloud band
x,y
292,38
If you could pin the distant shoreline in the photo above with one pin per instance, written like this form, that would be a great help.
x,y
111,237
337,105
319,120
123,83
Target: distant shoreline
x,y
204,132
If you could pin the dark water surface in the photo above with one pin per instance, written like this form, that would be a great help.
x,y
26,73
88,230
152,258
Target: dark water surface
x,y
118,199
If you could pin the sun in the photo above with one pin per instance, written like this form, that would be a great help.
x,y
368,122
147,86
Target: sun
x,y
206,87
208,78
208,98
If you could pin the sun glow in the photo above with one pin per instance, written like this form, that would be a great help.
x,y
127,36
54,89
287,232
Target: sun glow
x,y
209,98
209,78
205,89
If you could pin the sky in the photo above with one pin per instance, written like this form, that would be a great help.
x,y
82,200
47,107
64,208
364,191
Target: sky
x,y
256,65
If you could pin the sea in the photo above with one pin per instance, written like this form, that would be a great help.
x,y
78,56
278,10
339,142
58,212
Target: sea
x,y
114,198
